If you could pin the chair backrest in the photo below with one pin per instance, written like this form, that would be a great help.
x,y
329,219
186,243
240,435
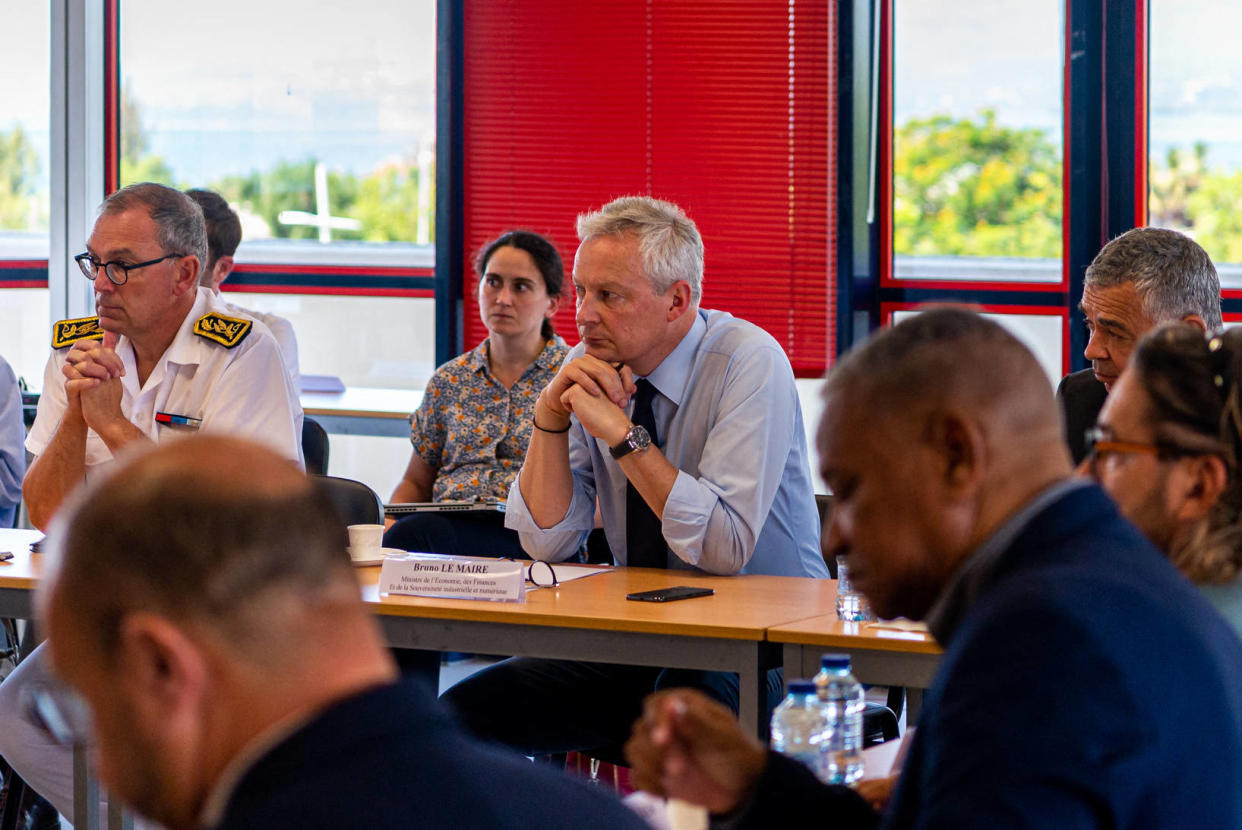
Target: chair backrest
x,y
823,504
356,503
314,447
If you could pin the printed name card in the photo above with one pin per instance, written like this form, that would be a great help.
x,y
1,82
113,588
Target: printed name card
x,y
453,577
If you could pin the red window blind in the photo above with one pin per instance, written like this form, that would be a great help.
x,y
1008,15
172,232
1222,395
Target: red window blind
x,y
725,107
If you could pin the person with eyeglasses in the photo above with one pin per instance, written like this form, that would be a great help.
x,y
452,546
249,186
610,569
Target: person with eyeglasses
x,y
1167,448
164,359
1145,277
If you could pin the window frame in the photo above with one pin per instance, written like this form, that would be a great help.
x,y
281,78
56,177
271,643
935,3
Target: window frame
x,y
1103,187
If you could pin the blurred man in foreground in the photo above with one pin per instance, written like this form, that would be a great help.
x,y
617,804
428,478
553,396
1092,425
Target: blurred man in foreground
x,y
201,603
1144,277
1085,683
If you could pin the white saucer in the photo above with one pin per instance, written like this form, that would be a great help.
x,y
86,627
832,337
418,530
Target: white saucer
x,y
361,562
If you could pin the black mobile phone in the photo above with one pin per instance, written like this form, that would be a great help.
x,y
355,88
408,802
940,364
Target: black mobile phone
x,y
670,594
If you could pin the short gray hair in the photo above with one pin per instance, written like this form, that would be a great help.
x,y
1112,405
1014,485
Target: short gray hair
x,y
1172,273
668,241
179,220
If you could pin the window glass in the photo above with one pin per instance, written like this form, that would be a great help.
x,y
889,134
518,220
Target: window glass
x,y
1195,126
977,160
25,81
1043,334
318,127
384,342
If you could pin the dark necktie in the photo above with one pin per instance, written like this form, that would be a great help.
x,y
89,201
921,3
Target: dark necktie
x,y
644,539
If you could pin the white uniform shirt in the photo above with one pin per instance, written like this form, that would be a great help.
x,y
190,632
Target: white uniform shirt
x,y
282,330
244,391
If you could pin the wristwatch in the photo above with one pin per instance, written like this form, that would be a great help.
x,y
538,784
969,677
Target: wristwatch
x,y
635,440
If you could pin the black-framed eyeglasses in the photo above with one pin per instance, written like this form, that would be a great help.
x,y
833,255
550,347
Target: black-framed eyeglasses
x,y
542,575
117,271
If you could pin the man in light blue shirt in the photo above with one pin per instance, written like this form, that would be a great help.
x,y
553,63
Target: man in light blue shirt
x,y
714,476
729,478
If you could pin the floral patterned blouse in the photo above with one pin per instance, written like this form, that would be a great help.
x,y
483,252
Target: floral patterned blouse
x,y
472,429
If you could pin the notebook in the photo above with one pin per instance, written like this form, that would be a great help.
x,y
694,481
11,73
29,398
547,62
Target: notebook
x,y
450,506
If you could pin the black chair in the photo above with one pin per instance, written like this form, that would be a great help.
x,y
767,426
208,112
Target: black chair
x,y
314,447
879,724
823,504
356,503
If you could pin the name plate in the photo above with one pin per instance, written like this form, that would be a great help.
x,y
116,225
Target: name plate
x,y
453,577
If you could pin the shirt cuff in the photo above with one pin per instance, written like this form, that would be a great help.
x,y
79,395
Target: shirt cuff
x,y
687,510
557,542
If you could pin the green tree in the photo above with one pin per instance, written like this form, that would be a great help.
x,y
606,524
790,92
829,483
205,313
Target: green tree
x,y
19,171
972,187
387,204
1187,194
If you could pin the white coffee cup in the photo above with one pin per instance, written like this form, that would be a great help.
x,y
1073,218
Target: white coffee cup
x,y
365,541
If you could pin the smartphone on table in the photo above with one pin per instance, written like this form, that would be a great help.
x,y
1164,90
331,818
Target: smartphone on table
x,y
672,594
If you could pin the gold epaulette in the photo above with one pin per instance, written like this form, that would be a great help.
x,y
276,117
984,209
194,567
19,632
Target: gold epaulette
x,y
68,332
227,331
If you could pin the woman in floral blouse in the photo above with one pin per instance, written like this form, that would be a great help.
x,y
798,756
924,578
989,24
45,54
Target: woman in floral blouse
x,y
471,431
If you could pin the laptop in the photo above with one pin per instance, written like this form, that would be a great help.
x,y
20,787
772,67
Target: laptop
x,y
449,506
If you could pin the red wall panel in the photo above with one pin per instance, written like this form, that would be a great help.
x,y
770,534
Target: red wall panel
x,y
723,106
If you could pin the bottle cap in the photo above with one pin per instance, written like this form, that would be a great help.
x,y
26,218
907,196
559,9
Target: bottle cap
x,y
835,662
801,687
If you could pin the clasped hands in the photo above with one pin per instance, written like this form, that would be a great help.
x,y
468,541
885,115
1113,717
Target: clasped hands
x,y
594,390
93,372
687,746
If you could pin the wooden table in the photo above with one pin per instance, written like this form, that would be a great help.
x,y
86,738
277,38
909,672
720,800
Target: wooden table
x,y
590,619
19,576
363,410
879,655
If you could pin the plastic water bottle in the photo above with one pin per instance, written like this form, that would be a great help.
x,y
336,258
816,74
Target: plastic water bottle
x,y
851,605
841,699
799,726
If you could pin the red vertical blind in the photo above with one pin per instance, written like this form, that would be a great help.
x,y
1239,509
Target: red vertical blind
x,y
725,107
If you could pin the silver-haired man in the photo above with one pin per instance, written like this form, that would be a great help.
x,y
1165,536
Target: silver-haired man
x,y
684,423
1144,277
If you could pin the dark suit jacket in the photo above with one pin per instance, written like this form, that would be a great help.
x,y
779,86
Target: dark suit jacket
x,y
1088,686
389,758
1081,397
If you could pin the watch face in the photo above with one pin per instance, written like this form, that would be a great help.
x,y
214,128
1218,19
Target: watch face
x,y
636,439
